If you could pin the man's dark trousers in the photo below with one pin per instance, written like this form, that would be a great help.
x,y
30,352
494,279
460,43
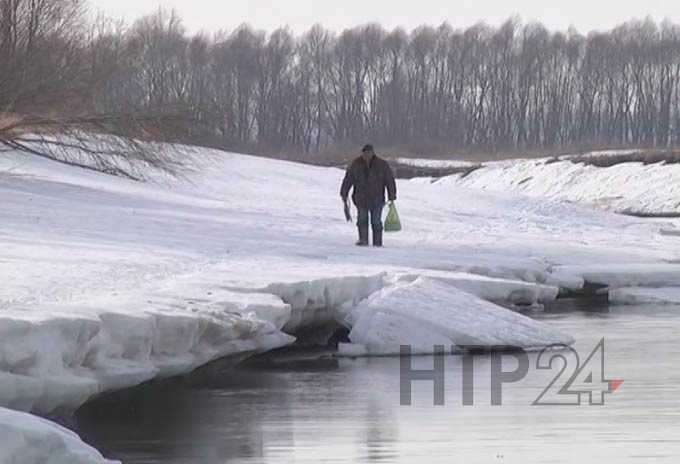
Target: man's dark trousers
x,y
375,214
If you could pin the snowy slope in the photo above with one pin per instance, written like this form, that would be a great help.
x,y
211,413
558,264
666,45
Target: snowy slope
x,y
627,187
107,282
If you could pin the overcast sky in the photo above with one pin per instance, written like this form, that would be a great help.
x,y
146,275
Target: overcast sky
x,y
212,15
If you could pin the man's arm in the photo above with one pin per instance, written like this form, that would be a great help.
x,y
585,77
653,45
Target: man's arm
x,y
347,183
390,183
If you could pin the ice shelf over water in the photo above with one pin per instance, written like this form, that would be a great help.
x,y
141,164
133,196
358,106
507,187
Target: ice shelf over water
x,y
622,275
54,356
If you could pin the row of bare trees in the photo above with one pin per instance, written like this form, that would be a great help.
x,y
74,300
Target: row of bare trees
x,y
41,44
513,87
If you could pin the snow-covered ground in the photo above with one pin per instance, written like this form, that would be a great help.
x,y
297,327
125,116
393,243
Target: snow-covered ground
x,y
632,188
107,282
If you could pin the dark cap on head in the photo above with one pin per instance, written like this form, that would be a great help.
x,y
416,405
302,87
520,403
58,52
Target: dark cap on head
x,y
368,148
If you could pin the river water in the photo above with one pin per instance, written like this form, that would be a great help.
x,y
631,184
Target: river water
x,y
301,408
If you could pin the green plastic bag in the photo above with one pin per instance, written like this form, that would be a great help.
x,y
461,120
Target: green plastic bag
x,y
392,222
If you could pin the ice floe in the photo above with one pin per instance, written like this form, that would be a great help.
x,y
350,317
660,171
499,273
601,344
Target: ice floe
x,y
27,439
488,288
643,295
425,313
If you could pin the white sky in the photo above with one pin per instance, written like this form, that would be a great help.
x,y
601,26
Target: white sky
x,y
212,15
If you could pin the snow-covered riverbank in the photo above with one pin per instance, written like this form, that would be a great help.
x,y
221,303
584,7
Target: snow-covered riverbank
x,y
630,188
109,282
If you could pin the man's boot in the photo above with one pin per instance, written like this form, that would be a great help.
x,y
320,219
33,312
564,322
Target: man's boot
x,y
363,235
377,237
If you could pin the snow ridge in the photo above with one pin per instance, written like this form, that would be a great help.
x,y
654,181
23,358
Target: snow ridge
x,y
631,188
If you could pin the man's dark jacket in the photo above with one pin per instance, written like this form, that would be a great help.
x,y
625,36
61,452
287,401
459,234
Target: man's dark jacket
x,y
369,182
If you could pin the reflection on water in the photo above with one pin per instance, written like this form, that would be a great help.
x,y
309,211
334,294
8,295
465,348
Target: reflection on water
x,y
343,410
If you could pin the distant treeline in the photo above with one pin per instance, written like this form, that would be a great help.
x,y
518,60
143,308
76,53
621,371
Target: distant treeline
x,y
439,89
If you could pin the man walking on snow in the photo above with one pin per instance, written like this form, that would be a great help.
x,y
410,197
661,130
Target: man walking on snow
x,y
370,176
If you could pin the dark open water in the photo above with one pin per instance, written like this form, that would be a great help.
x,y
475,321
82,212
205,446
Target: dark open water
x,y
346,411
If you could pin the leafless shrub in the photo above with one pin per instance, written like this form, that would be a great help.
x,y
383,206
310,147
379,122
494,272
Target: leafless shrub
x,y
115,144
